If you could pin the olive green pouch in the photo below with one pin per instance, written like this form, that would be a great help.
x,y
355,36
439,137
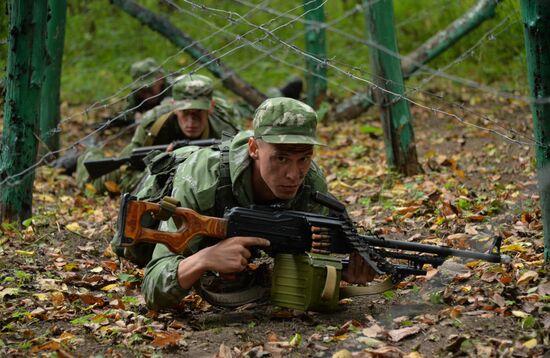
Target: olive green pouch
x,y
307,282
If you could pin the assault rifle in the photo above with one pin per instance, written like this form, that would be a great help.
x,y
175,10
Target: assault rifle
x,y
289,232
100,167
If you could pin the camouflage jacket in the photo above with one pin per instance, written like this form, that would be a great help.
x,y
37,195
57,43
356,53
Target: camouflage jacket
x,y
220,120
195,186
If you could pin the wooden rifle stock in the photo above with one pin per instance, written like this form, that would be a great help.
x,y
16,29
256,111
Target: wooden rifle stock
x,y
193,225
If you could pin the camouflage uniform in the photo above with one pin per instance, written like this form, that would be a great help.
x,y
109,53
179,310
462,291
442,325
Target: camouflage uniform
x,y
160,126
277,120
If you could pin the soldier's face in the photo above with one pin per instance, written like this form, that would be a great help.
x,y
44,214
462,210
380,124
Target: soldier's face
x,y
279,169
192,122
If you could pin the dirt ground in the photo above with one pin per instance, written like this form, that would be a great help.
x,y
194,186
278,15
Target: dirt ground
x,y
64,294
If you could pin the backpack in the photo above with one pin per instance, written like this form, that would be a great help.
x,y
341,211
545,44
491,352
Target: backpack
x,y
156,186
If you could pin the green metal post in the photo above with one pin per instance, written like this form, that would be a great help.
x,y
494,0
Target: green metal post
x,y
536,21
24,77
316,72
49,113
483,10
396,115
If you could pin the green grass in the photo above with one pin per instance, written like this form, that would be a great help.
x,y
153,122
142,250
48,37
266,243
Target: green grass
x,y
102,41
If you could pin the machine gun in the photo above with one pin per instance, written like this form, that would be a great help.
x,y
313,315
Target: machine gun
x,y
99,167
290,232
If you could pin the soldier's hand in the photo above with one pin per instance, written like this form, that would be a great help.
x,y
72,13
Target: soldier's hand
x,y
170,147
358,270
230,255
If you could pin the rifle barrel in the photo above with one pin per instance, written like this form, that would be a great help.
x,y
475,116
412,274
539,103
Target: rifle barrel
x,y
177,144
432,249
99,167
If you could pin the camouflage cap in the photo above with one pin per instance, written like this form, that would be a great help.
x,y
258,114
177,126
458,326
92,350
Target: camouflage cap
x,y
284,120
192,92
145,72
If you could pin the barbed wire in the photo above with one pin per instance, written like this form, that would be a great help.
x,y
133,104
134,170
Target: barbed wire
x,y
327,62
270,34
268,52
486,118
420,65
131,85
99,104
43,159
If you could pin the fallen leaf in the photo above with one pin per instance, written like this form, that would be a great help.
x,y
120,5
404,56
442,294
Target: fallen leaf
x,y
90,299
406,209
296,340
48,284
527,277
513,248
8,291
110,287
37,311
505,279
520,314
272,337
24,253
532,343
456,312
499,300
75,227
489,276
58,298
457,237
110,265
87,248
41,296
398,334
163,339
373,331
343,353
370,342
49,346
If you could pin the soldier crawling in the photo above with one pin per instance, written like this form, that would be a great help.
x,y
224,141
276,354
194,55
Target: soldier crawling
x,y
192,113
270,165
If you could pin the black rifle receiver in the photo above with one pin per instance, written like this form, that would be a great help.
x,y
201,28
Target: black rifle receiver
x,y
99,167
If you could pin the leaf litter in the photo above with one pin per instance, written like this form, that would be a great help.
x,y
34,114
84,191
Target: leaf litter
x,y
64,294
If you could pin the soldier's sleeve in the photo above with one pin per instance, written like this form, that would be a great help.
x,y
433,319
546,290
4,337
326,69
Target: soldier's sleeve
x,y
160,286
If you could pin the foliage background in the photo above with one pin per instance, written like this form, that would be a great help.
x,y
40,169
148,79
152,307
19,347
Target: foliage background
x,y
102,41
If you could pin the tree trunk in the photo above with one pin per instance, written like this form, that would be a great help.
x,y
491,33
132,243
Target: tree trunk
x,y
395,112
483,10
49,113
26,56
316,72
536,21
